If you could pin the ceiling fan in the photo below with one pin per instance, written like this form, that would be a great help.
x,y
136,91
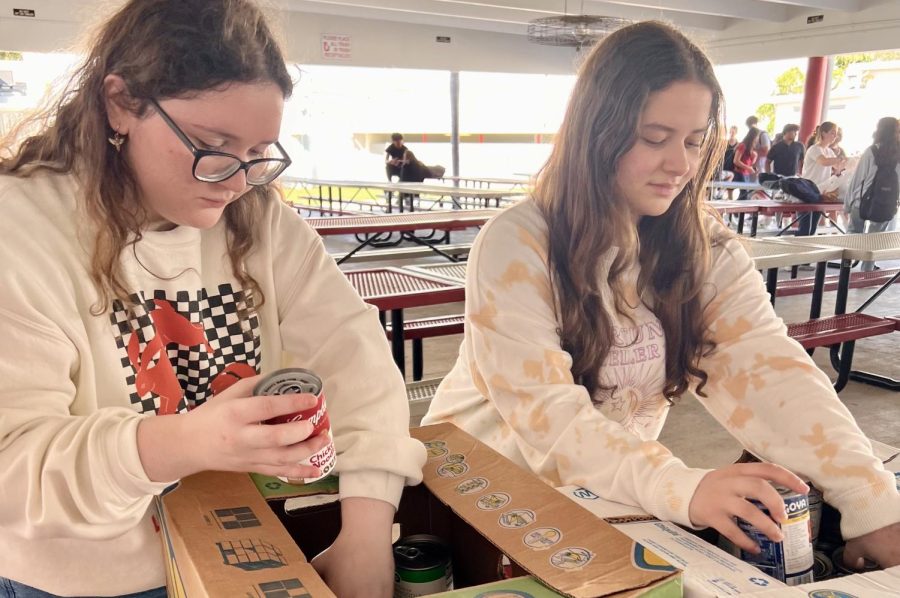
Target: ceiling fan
x,y
577,31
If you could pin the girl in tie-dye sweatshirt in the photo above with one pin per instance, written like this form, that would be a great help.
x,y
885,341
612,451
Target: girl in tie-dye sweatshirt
x,y
593,306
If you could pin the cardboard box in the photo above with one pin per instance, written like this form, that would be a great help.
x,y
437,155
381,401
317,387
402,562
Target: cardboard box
x,y
877,584
709,572
223,539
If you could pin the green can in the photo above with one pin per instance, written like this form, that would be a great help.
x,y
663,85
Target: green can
x,y
422,566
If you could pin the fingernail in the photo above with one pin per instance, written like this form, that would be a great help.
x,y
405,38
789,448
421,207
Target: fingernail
x,y
860,563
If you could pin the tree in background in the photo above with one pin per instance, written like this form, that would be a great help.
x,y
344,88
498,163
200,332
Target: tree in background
x,y
766,114
10,55
793,80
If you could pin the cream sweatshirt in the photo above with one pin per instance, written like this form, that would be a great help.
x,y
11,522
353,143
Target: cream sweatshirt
x,y
512,387
75,502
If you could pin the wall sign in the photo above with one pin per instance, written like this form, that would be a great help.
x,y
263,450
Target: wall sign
x,y
336,46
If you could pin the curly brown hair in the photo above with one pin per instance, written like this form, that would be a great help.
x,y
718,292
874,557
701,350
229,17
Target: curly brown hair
x,y
585,216
161,49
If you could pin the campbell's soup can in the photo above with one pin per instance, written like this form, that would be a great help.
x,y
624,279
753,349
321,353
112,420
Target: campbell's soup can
x,y
300,381
422,566
791,560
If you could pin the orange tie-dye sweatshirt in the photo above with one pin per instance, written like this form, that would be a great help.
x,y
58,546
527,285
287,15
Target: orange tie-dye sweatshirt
x,y
512,387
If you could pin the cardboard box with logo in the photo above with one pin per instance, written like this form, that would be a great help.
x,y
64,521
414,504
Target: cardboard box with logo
x,y
224,539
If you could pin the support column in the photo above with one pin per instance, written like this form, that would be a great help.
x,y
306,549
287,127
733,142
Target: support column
x,y
813,96
454,122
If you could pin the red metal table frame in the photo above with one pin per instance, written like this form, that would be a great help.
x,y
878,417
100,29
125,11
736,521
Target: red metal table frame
x,y
395,289
741,208
868,246
375,227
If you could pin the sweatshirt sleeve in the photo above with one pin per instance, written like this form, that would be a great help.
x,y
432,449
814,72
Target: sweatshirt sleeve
x,y
518,365
61,475
327,328
769,394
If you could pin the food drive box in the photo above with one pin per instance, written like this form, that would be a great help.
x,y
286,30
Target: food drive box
x,y
709,572
222,539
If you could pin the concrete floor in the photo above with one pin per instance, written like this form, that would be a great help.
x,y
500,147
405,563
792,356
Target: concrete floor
x,y
690,432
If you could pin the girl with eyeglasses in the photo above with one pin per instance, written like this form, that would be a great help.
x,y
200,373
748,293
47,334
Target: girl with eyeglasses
x,y
593,307
151,271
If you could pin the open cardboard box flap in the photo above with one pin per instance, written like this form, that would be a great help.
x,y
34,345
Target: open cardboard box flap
x,y
547,535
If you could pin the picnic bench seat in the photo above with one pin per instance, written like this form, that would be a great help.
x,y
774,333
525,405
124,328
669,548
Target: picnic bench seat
x,y
840,333
419,395
403,253
416,330
858,280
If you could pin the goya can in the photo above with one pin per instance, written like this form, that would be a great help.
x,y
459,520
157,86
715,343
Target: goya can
x,y
300,381
791,560
422,566
815,513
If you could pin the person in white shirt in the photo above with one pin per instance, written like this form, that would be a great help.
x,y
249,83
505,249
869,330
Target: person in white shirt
x,y
817,167
595,305
151,271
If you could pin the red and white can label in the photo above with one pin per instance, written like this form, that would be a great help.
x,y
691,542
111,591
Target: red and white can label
x,y
297,380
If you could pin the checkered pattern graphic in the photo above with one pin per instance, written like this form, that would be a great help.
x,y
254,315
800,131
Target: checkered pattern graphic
x,y
237,518
251,555
284,588
202,334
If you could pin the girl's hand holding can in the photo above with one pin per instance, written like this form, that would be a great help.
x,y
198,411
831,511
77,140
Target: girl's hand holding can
x,y
230,438
725,493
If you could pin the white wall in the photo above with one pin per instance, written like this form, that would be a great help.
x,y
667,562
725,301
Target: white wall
x,y
409,45
59,23
874,28
393,44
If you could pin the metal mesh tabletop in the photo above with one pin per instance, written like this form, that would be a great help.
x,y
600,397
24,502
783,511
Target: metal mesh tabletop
x,y
453,272
394,288
769,254
412,221
869,246
422,391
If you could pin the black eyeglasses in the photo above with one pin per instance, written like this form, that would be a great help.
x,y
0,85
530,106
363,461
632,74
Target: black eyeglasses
x,y
211,166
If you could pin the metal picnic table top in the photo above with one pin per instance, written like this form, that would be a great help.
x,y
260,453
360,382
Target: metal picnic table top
x,y
768,254
452,272
409,221
398,288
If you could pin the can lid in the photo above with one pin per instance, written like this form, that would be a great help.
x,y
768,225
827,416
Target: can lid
x,y
421,551
289,381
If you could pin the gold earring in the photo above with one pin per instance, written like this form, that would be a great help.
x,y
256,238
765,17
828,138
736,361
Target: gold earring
x,y
116,141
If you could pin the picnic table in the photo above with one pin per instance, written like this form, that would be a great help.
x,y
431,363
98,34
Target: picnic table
x,y
768,207
372,229
771,255
864,247
395,289
334,191
486,182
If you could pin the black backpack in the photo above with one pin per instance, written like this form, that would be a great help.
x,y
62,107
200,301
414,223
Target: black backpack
x,y
879,201
803,189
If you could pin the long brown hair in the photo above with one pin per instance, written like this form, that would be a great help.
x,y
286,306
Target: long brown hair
x,y
161,49
586,217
